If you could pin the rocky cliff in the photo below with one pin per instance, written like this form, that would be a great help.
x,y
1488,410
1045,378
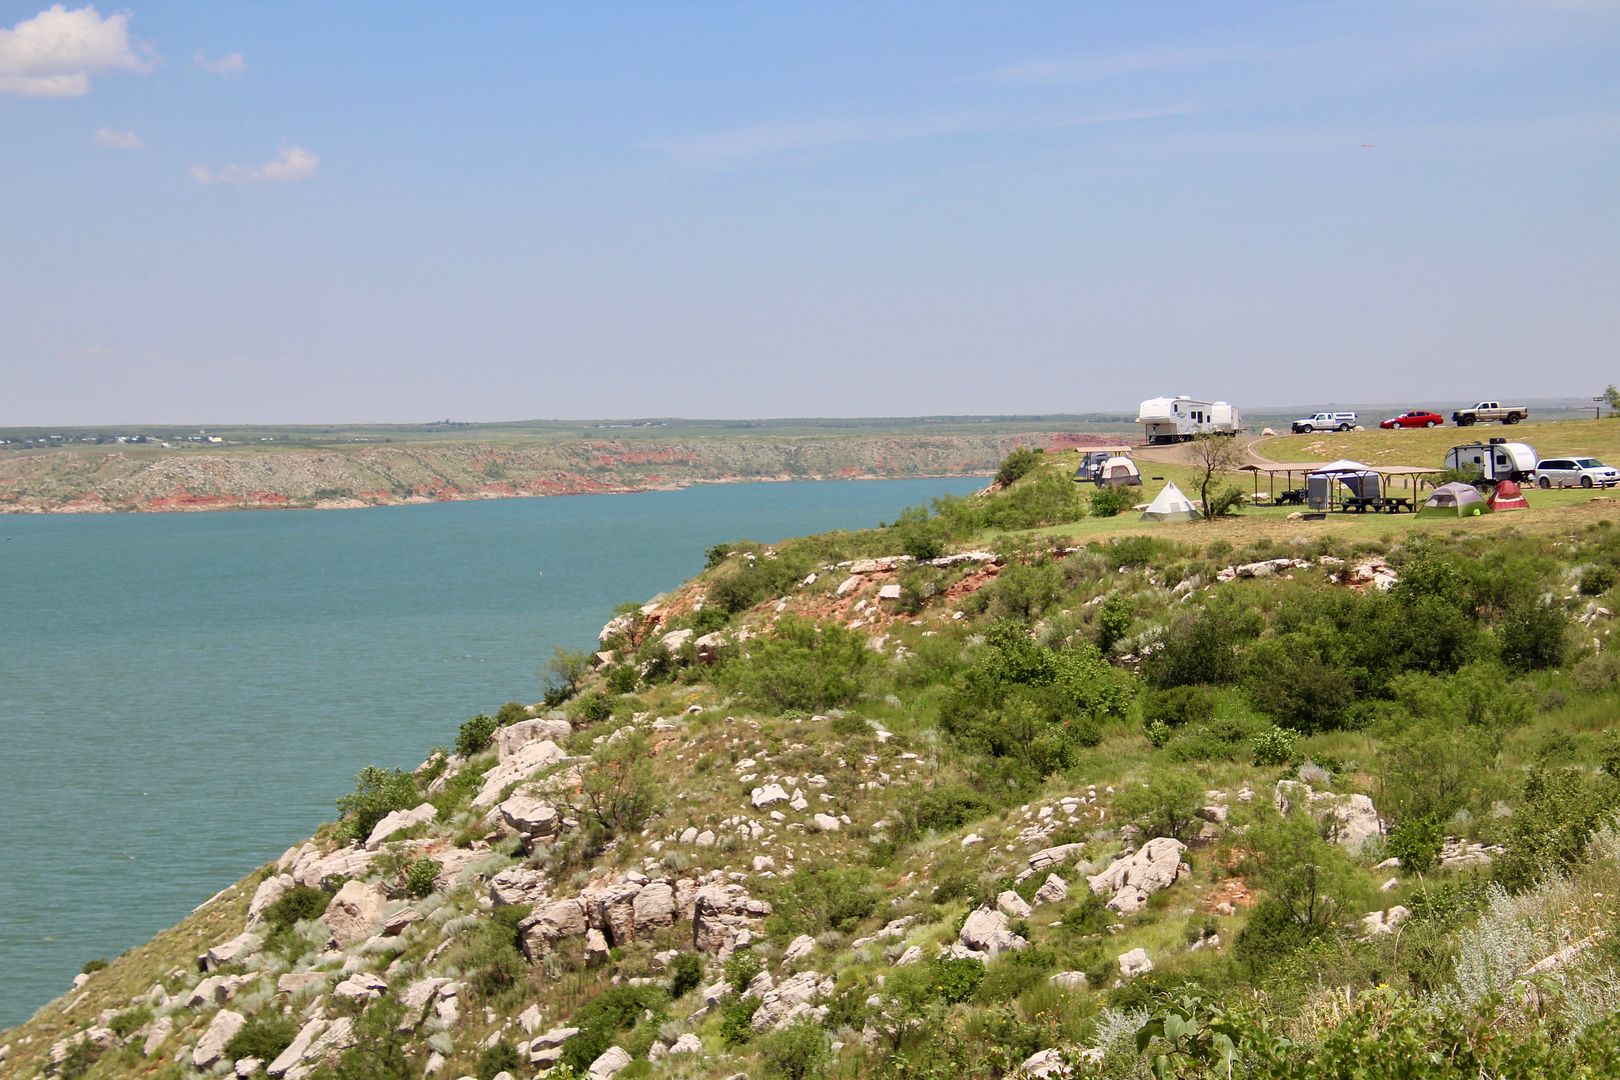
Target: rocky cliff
x,y
128,479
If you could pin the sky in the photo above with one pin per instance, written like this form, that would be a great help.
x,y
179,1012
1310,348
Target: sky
x,y
292,212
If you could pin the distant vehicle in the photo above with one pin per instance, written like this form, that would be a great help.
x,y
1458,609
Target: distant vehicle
x,y
1494,461
1484,412
1178,419
1576,472
1414,419
1325,421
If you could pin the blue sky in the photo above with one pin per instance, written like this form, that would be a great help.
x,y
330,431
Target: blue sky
x,y
299,212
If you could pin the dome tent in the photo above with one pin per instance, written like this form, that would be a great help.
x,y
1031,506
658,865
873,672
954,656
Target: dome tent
x,y
1119,472
1454,500
1171,505
1507,496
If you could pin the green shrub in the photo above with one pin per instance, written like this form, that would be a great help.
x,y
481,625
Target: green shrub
x,y
491,957
822,898
620,791
620,679
377,793
1018,464
1114,618
1202,648
1178,706
942,807
297,904
803,666
921,536
1597,580
1166,806
129,1021
497,1058
421,878
1288,681
93,966
1023,591
1222,739
1416,842
1014,973
686,974
510,713
600,1020
741,969
593,708
1552,822
795,1052
475,735
265,1035
1274,746
379,1051
1111,501
1532,634
736,1018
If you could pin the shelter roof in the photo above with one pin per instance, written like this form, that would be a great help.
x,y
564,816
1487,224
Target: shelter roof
x,y
1279,468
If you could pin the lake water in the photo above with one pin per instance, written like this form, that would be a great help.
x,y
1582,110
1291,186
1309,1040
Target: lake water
x,y
182,696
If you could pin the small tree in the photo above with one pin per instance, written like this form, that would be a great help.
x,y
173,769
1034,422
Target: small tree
x,y
1611,398
1213,454
1167,806
564,670
618,786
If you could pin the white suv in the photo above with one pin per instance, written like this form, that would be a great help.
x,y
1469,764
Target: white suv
x,y
1575,472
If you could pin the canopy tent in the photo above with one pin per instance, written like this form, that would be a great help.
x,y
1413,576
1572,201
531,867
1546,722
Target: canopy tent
x,y
1364,483
1454,500
1171,505
1507,496
1119,472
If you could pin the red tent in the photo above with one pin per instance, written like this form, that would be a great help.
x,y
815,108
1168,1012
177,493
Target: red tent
x,y
1507,496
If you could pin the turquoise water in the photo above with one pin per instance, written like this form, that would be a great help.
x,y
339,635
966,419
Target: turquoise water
x,y
183,695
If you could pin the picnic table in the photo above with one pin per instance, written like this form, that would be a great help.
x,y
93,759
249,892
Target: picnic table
x,y
1293,497
1390,504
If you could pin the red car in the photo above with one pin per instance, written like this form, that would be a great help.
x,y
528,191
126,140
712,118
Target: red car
x,y
1417,418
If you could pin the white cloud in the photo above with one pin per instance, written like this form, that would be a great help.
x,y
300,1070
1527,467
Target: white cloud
x,y
119,140
229,64
291,163
54,53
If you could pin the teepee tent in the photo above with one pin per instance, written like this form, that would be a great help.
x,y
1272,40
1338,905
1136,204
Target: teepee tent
x,y
1119,472
1507,496
1454,500
1171,505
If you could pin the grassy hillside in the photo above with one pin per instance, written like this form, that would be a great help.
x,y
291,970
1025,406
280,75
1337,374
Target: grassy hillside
x,y
1555,438
1005,785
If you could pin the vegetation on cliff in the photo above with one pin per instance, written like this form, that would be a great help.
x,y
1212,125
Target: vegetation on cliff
x,y
1006,787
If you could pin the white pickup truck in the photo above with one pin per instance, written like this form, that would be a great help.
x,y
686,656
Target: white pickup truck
x,y
1325,421
1485,411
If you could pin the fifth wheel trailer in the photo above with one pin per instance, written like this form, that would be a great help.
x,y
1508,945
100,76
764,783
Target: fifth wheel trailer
x,y
1180,418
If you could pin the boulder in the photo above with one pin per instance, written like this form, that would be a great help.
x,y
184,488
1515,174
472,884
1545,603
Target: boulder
x,y
1130,880
768,795
523,762
789,1000
311,868
535,821
686,1044
1135,963
1354,821
361,986
297,982
296,1049
1379,923
611,909
826,823
240,947
1044,1064
1047,858
157,1035
799,948
546,1050
399,821
654,908
614,1058
1012,905
1069,980
1054,890
549,924
889,592
512,736
986,931
517,885
355,912
725,918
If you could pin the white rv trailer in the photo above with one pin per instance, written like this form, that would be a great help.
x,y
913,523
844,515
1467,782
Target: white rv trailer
x,y
1177,419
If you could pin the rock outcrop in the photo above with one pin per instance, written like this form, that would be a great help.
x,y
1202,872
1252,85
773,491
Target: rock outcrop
x,y
1129,881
